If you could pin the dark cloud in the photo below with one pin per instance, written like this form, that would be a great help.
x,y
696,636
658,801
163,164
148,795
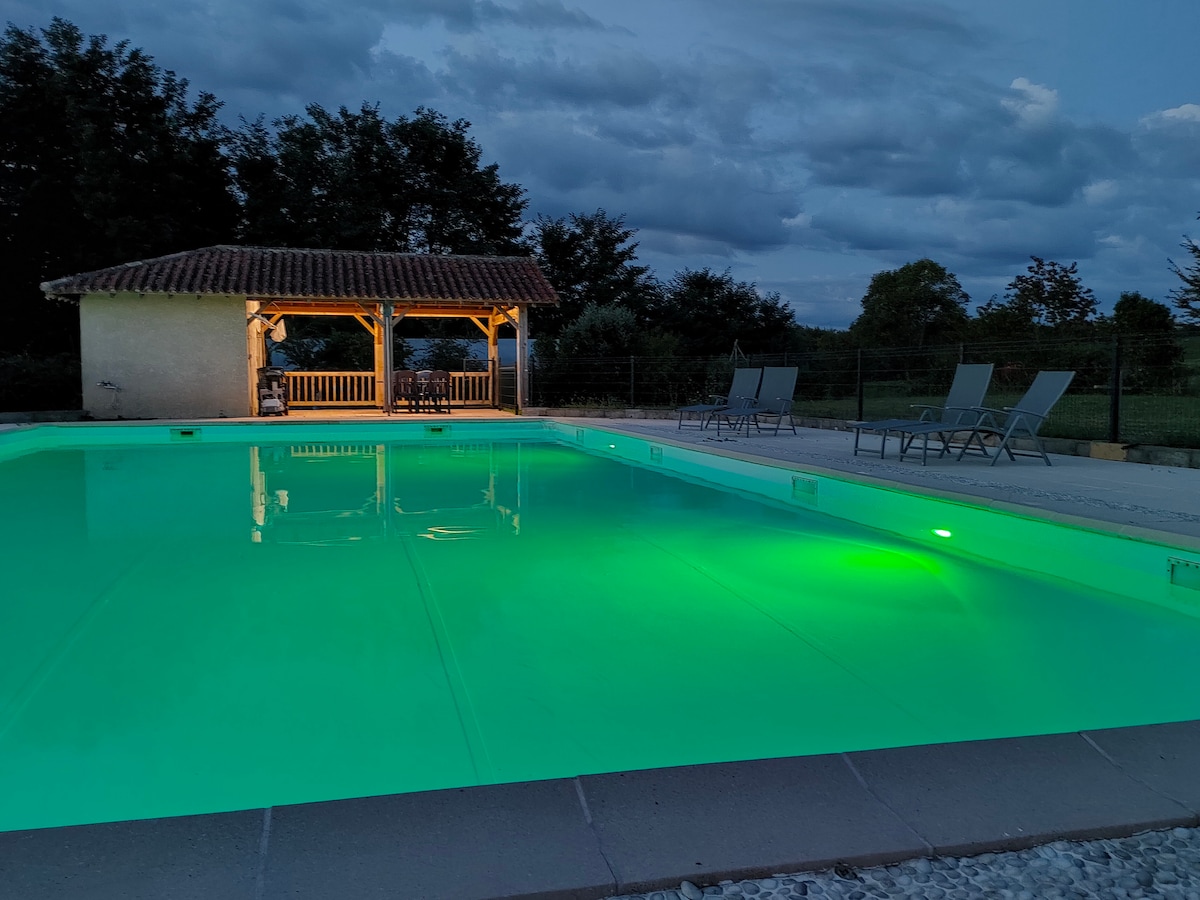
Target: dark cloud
x,y
282,53
972,237
540,14
943,146
856,18
474,15
906,158
642,130
1169,141
716,90
910,36
622,78
685,190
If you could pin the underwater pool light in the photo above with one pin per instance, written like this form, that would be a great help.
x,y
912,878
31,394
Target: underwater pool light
x,y
941,532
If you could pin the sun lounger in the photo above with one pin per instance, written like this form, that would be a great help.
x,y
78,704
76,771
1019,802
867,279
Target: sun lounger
x,y
966,394
774,401
1021,422
742,390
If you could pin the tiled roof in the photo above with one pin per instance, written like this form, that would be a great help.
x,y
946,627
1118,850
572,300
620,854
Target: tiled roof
x,y
270,272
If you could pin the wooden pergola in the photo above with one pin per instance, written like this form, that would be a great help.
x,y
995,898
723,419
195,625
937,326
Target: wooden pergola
x,y
377,289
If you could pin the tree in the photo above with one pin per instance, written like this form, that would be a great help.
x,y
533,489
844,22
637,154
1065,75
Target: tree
x,y
998,320
1049,294
103,159
444,353
356,181
920,303
1135,314
590,260
327,344
709,312
607,331
1187,297
602,331
1152,354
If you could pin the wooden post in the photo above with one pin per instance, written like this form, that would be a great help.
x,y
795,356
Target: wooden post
x,y
522,316
378,326
255,354
493,350
386,309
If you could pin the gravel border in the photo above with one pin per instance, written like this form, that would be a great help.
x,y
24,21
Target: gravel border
x,y
1152,864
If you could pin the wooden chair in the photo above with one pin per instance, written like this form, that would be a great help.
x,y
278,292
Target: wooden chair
x,y
437,391
404,390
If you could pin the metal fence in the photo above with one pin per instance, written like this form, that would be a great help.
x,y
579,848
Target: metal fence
x,y
1133,389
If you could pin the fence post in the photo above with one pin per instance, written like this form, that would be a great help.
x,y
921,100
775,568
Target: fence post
x,y
858,387
1114,393
632,402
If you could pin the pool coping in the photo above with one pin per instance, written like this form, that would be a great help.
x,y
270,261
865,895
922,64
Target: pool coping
x,y
599,835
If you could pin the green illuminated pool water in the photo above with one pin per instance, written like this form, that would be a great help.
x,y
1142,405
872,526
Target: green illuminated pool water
x,y
215,626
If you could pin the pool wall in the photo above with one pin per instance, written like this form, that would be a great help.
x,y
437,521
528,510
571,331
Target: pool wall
x,y
1136,562
29,439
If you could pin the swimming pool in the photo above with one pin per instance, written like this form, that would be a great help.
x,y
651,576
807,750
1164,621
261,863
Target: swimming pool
x,y
217,617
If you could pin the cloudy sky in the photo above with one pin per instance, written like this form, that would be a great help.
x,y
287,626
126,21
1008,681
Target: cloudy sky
x,y
802,144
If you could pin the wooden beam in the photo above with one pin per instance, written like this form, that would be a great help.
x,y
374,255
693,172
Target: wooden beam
x,y
453,313
280,307
505,317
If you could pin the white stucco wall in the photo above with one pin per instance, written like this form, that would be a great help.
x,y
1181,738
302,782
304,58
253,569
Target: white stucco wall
x,y
173,356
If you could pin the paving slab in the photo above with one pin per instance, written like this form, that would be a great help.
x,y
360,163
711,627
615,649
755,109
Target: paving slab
x,y
527,840
1166,758
185,858
1008,794
740,820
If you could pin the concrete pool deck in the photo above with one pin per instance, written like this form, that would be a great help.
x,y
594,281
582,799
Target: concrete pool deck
x,y
601,835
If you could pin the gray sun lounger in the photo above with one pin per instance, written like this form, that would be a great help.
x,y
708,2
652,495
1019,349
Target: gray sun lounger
x,y
774,402
1021,422
966,394
742,390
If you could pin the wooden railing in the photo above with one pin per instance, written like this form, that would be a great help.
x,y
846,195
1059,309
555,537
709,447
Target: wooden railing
x,y
331,389
320,390
470,389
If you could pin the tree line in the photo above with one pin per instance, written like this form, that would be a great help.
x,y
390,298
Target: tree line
x,y
106,158
921,303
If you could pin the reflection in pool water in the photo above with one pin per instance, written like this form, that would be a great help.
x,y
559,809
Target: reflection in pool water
x,y
327,493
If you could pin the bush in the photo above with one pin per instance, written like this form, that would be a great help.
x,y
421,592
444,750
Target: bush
x,y
29,383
